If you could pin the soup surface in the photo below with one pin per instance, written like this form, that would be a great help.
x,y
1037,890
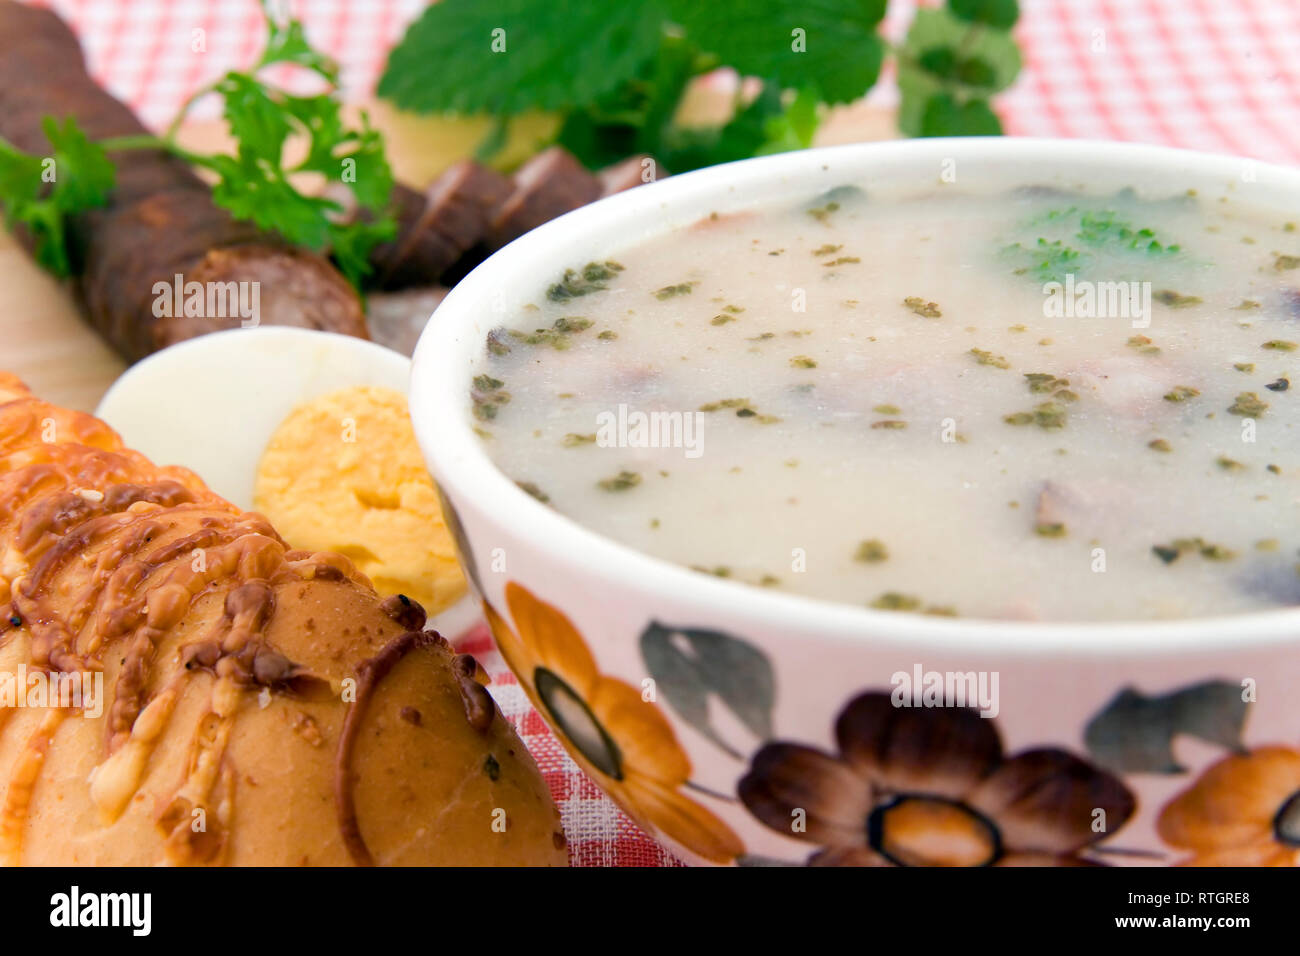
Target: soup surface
x,y
1033,404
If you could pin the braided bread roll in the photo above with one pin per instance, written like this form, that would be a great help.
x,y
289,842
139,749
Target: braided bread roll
x,y
260,705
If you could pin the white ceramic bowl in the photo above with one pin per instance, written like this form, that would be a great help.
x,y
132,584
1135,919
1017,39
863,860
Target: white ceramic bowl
x,y
212,403
741,724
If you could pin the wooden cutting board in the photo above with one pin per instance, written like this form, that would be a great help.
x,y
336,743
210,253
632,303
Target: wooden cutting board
x,y
44,341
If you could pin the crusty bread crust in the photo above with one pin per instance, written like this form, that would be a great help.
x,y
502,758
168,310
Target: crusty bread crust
x,y
262,705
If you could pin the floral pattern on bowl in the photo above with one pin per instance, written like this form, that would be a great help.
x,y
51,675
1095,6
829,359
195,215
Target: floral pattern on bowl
x,y
906,786
932,788
622,741
1244,810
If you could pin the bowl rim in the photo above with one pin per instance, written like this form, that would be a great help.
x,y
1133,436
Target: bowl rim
x,y
439,380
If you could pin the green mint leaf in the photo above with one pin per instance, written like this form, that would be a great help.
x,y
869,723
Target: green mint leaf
x,y
830,44
659,89
795,127
945,64
746,133
999,14
974,71
939,60
596,143
637,116
496,139
959,54
915,88
747,130
943,116
465,56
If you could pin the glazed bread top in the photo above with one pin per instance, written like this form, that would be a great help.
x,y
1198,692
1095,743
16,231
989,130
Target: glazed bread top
x,y
260,705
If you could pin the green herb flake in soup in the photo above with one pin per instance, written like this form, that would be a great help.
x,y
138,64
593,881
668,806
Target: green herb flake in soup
x,y
1249,405
984,357
672,291
1181,393
929,310
593,277
620,482
1176,300
744,396
871,551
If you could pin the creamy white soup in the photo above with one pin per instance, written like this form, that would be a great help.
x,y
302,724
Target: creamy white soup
x,y
1030,405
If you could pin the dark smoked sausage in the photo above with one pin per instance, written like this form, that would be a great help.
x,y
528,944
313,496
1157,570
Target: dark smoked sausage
x,y
439,226
161,221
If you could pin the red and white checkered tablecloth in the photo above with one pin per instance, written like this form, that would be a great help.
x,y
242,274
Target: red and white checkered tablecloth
x,y
1215,75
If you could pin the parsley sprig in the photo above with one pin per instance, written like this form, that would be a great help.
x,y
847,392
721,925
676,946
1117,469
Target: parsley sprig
x,y
1080,236
40,192
255,183
617,72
